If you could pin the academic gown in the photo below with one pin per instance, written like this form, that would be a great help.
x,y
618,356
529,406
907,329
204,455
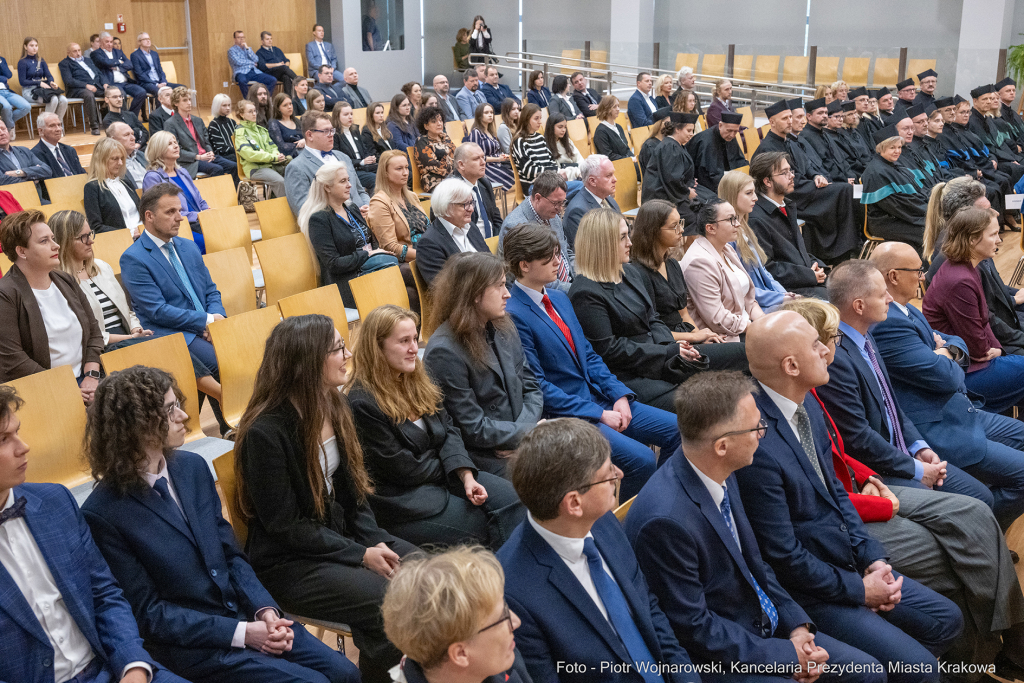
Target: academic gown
x,y
670,175
895,208
853,143
910,160
923,99
646,150
998,142
713,156
1015,122
927,152
980,154
867,127
832,157
830,229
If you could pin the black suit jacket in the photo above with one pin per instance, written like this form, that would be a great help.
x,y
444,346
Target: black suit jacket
x,y
357,153
101,208
330,96
76,78
611,145
436,246
158,119
783,244
67,151
583,103
490,205
336,249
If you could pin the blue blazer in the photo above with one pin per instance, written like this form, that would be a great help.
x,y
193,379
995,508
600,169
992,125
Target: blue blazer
x,y
702,580
496,95
89,590
808,531
581,203
639,114
561,623
767,290
106,66
158,296
541,98
574,384
931,387
313,60
140,67
5,72
189,584
854,401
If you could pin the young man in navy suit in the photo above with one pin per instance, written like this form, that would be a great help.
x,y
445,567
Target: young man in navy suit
x,y
62,614
694,543
155,515
808,530
570,575
574,379
641,106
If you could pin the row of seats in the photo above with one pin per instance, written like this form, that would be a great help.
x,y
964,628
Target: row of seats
x,y
765,68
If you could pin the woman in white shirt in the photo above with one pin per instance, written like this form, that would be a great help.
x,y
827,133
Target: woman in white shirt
x,y
111,202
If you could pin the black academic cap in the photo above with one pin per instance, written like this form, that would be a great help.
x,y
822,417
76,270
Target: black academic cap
x,y
795,103
730,117
897,117
982,90
945,102
905,84
835,106
957,100
1005,82
858,92
929,108
776,108
679,118
661,113
849,106
880,93
915,111
926,74
815,104
884,134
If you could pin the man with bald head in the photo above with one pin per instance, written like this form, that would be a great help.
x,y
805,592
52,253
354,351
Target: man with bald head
x,y
82,79
449,107
351,91
135,164
808,530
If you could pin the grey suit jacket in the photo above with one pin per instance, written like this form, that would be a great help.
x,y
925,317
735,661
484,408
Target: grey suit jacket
x,y
299,174
567,109
494,403
524,213
348,91
176,127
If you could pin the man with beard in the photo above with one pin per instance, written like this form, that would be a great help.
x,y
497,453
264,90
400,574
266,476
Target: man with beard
x,y
834,159
716,150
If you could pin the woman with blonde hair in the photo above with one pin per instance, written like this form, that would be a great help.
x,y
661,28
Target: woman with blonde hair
x,y
663,90
315,101
111,202
222,127
619,319
685,102
823,92
737,188
428,490
396,215
162,154
840,91
261,160
895,208
609,137
447,614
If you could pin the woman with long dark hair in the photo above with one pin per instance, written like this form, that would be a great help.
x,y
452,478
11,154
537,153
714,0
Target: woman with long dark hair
x,y
568,158
401,123
484,133
304,491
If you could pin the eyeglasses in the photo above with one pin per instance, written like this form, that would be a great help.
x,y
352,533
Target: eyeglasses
x,y
325,131
172,408
785,174
920,271
557,205
468,206
583,488
87,238
837,338
340,348
733,220
675,227
761,429
506,615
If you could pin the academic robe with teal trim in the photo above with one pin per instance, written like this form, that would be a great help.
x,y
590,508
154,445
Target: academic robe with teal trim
x,y
1014,121
896,210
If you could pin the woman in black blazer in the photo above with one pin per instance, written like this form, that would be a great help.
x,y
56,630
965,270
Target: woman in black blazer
x,y
428,491
477,360
349,142
110,194
303,490
609,138
618,318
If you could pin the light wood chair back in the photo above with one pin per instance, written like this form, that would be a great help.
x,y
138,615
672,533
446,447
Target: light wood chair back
x,y
25,193
169,71
110,245
226,228
414,173
625,186
687,59
519,189
886,71
713,65
66,191
826,70
492,243
359,116
224,466
748,116
743,67
380,287
572,60
916,66
766,68
50,209
231,271
218,192
425,303
855,71
794,69
638,136
325,300
276,218
620,512
239,342
577,129
456,131
287,266
752,140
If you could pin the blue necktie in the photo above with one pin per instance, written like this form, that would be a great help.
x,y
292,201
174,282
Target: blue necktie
x,y
15,511
482,209
762,597
183,276
327,155
618,612
160,485
890,404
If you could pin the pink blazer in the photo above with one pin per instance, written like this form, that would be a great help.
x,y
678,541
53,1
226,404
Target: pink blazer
x,y
713,301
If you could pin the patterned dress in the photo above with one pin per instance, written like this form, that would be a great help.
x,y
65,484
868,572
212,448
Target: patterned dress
x,y
498,172
436,160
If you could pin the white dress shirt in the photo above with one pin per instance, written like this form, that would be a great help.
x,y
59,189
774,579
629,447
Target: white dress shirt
x,y
160,247
118,76
84,63
55,151
535,296
129,211
21,557
136,168
717,492
785,406
570,550
648,101
323,55
460,235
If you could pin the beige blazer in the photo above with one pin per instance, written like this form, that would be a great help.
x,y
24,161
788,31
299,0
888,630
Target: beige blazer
x,y
713,301
108,285
388,223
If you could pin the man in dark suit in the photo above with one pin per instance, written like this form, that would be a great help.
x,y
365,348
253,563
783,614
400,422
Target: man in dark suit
x,y
82,79
495,91
471,166
695,545
586,98
61,611
146,66
202,611
324,85
574,379
773,220
116,113
861,399
688,81
18,163
62,159
570,576
641,105
114,67
598,176
808,530
160,114
451,231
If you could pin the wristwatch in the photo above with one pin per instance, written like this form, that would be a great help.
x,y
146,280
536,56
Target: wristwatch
x,y
92,373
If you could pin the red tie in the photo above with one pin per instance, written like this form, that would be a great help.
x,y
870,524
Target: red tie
x,y
783,210
558,321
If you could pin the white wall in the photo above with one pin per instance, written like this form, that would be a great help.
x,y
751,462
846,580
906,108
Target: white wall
x,y
382,73
442,20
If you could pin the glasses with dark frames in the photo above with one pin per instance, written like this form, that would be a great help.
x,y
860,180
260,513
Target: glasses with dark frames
x,y
506,615
761,429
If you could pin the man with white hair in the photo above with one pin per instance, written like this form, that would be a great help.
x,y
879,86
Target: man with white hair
x,y
114,66
688,81
471,166
159,116
82,79
449,107
598,176
17,163
146,66
62,159
135,164
451,231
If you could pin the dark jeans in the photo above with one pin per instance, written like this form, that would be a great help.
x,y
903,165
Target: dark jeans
x,y
631,451
92,111
220,165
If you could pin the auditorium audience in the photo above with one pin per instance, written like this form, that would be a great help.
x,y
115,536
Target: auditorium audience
x,y
244,65
472,339
688,81
414,91
315,101
716,151
49,321
149,74
62,159
662,91
545,207
737,188
114,67
537,93
359,97
284,126
162,155
670,173
320,53
261,160
110,198
461,49
298,175
451,232
470,96
481,36
597,174
530,152
656,135
349,141
376,134
895,207
563,151
573,378
484,134
271,60
471,167
82,80
13,107
136,165
695,545
303,491
562,102
114,100
641,102
222,127
721,294
144,481
401,124
260,96
609,137
325,87
585,97
196,151
435,151
686,102
158,117
494,91
445,100
343,245
396,216
8,205
509,123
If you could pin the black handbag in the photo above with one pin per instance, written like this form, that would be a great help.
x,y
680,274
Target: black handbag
x,y
46,94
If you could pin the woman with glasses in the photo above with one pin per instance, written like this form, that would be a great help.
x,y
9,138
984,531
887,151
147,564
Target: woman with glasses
x,y
435,151
892,197
721,293
447,613
304,491
427,488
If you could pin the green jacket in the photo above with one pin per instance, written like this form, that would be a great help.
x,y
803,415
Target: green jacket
x,y
254,147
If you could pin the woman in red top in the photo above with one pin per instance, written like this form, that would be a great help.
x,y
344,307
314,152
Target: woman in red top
x,y
8,205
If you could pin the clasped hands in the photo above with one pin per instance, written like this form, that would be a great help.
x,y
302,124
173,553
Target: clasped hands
x,y
269,634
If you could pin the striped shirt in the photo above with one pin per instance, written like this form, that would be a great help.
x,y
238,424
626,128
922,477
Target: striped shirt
x,y
111,318
532,157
